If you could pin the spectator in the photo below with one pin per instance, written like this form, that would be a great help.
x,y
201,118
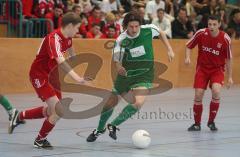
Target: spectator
x,y
95,17
181,26
152,7
234,25
141,11
110,21
95,32
169,7
86,6
210,9
43,8
109,5
77,9
163,23
55,17
111,33
83,27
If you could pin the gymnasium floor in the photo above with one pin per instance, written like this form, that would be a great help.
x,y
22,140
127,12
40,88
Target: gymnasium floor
x,y
165,116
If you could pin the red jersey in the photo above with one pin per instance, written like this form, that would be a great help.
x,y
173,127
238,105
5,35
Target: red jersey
x,y
212,51
54,45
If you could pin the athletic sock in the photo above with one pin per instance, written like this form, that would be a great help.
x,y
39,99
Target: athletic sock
x,y
197,110
213,111
105,115
126,113
35,113
46,128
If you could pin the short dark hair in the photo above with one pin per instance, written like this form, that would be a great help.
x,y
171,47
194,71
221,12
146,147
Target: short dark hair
x,y
182,9
131,16
160,9
70,18
214,17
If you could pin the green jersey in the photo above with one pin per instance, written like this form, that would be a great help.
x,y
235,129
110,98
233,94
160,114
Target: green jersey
x,y
136,53
136,56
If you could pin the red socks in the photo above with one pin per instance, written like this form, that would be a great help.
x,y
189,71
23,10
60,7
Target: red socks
x,y
213,111
46,128
35,113
197,110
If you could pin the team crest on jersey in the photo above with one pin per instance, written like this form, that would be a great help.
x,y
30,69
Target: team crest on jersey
x,y
206,33
219,45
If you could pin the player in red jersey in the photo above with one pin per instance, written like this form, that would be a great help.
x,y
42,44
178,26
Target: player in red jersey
x,y
214,55
49,56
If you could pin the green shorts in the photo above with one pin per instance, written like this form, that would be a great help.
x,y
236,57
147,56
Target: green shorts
x,y
123,84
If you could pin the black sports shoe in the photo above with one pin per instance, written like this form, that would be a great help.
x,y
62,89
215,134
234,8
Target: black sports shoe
x,y
94,135
112,131
212,126
13,121
43,143
194,127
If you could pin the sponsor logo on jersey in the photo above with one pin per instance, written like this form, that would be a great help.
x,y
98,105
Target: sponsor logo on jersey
x,y
211,50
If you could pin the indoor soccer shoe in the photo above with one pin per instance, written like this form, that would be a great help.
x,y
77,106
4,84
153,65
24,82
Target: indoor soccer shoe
x,y
112,131
43,143
212,126
194,127
14,121
94,135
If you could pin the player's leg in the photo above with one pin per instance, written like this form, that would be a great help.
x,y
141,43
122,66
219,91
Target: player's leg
x,y
7,105
200,84
216,83
49,123
214,105
139,94
105,115
197,110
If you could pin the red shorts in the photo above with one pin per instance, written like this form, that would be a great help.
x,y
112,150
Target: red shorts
x,y
203,77
43,88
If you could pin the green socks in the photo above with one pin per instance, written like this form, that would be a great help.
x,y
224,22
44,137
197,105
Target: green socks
x,y
6,104
105,115
126,113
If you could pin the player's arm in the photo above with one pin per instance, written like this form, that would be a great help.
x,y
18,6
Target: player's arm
x,y
117,57
68,69
191,44
71,52
228,60
229,72
164,39
187,60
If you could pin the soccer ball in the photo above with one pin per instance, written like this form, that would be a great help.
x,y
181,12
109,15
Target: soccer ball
x,y
141,139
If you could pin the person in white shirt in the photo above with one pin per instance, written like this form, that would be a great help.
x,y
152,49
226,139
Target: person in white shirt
x,y
163,23
152,7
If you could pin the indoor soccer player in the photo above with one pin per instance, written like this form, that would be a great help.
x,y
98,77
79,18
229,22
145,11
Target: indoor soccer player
x,y
214,57
134,60
50,55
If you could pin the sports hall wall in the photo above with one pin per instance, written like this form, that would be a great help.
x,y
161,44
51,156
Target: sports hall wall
x,y
17,55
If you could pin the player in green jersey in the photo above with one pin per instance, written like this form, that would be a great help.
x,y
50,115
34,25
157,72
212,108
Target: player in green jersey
x,y
9,108
134,60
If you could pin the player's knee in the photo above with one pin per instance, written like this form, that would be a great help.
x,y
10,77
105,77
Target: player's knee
x,y
59,110
112,102
138,103
216,93
54,118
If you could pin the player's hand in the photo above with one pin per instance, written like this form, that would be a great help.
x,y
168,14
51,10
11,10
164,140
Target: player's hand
x,y
229,83
83,81
170,55
187,61
121,71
